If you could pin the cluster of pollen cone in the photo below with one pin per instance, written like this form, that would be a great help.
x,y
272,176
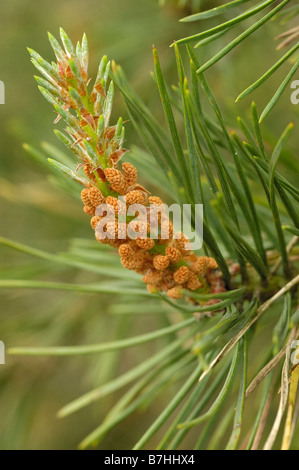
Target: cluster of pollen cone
x,y
165,260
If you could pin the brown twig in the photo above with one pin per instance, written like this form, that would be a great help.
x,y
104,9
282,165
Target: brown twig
x,y
283,401
229,346
271,364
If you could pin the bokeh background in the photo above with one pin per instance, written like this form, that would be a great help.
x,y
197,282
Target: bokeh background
x,y
33,211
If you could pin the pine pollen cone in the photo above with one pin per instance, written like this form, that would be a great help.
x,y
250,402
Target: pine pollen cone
x,y
134,262
116,180
203,264
128,250
96,197
145,243
155,200
193,282
182,243
130,174
173,254
200,266
85,196
161,262
92,197
135,197
115,203
181,275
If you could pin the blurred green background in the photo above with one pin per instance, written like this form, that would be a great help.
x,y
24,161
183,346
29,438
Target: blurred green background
x,y
34,212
